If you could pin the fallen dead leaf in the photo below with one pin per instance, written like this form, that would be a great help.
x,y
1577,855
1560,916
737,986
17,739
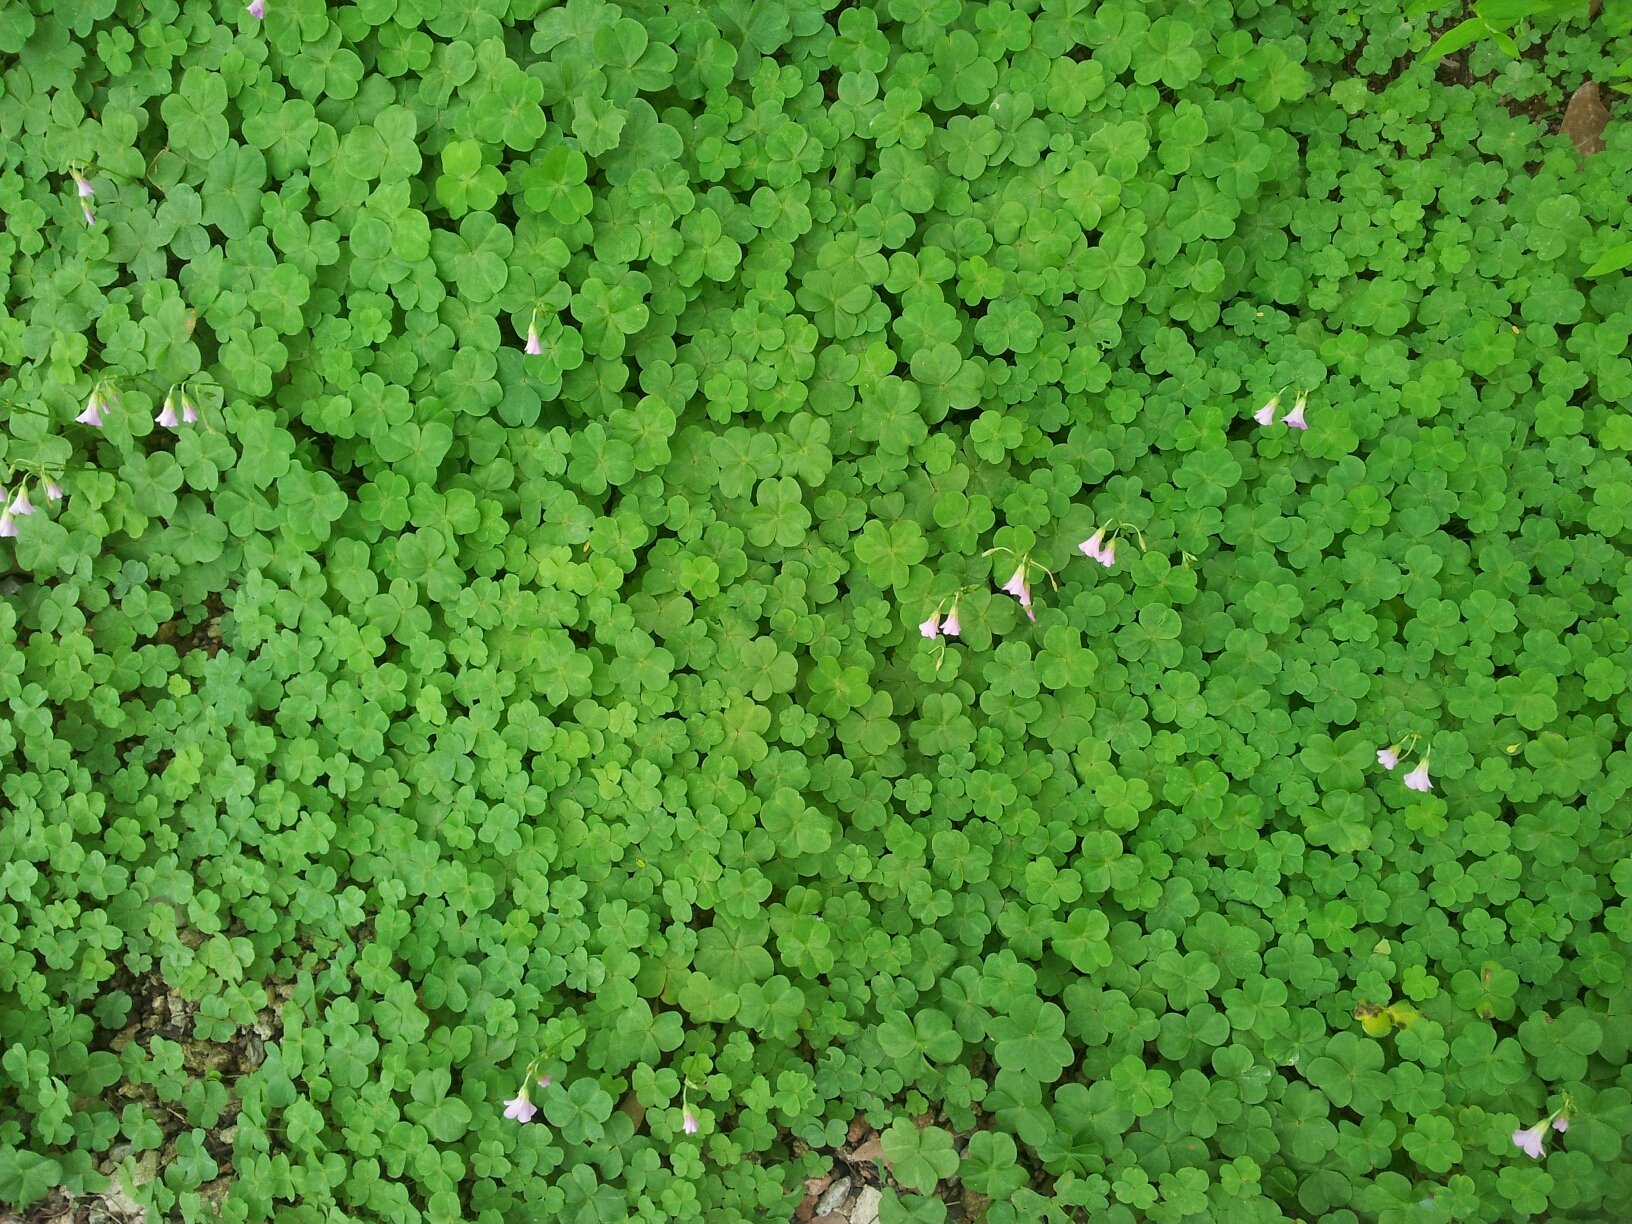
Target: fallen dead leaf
x,y
974,1204
868,1152
858,1128
1584,120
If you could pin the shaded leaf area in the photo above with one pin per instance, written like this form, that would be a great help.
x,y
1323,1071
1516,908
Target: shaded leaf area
x,y
510,697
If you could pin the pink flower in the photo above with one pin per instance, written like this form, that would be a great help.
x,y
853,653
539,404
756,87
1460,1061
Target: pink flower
x,y
689,1121
256,9
1091,546
1107,555
20,503
167,415
1561,1124
1017,586
520,1109
93,408
931,628
1295,417
544,1081
90,217
1417,779
189,410
1266,414
53,491
534,345
86,191
1388,757
8,525
952,627
1530,1140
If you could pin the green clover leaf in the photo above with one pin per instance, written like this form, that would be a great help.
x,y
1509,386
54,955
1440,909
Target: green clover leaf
x,y
919,1158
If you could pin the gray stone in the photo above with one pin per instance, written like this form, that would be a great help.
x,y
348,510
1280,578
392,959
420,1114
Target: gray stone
x,y
836,1194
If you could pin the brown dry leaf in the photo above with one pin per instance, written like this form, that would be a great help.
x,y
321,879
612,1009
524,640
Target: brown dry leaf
x,y
1584,120
974,1204
858,1128
868,1152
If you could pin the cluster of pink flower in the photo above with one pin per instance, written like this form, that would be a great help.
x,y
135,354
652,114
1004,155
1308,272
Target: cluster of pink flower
x,y
1020,584
1096,549
1416,779
179,407
934,627
21,505
520,1108
167,415
1266,414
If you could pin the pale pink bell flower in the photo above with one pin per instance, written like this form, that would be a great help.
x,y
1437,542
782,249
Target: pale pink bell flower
x,y
1266,414
931,628
1018,587
1529,1141
1295,417
520,1109
93,408
1417,779
1091,546
952,627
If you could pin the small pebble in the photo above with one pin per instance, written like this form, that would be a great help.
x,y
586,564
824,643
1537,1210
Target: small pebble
x,y
866,1209
836,1194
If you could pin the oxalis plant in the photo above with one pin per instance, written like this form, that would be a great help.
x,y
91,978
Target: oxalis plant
x,y
604,604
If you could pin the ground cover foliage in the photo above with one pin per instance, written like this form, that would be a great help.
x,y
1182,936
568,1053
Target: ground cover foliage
x,y
432,718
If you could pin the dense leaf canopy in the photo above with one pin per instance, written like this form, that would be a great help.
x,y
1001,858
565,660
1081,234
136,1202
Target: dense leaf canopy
x,y
577,637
